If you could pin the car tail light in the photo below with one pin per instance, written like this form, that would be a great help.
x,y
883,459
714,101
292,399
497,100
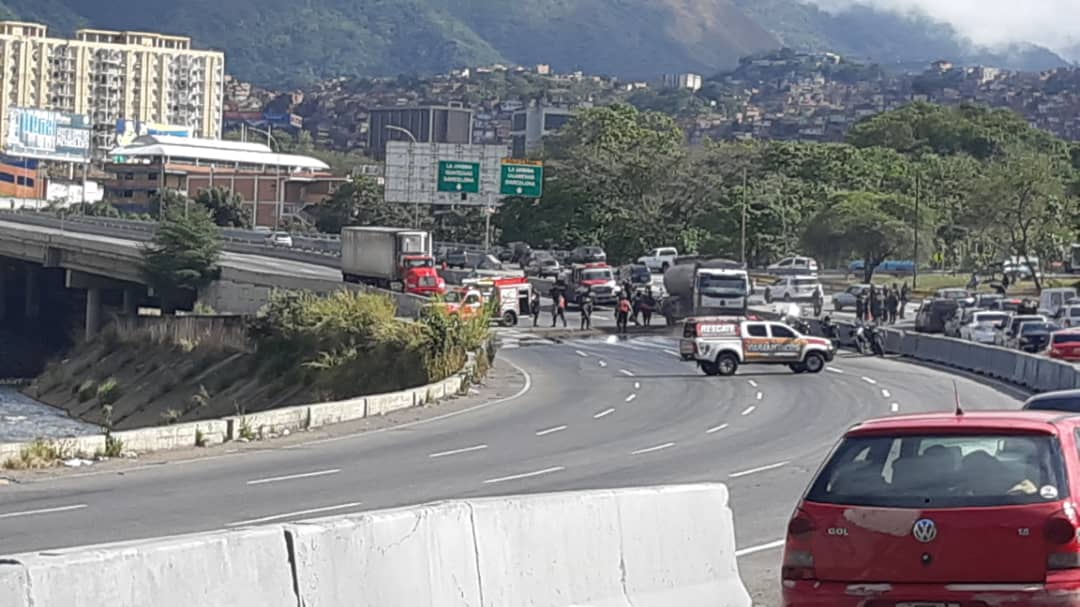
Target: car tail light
x,y
1060,532
798,557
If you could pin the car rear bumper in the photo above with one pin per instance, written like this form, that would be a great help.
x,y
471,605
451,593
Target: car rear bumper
x,y
834,594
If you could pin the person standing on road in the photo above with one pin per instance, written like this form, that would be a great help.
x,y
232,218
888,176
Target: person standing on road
x,y
635,307
558,311
534,307
647,305
818,301
860,306
905,293
622,315
874,303
586,312
892,301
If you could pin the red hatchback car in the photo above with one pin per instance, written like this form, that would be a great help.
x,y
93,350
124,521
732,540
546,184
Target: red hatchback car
x,y
942,510
1065,345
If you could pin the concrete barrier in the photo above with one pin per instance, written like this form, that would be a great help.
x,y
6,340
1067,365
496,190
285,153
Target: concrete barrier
x,y
225,569
14,589
381,404
334,413
211,431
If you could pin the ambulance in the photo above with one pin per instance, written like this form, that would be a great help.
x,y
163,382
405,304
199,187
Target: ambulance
x,y
720,344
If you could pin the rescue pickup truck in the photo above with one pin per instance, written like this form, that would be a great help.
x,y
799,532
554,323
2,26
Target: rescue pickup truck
x,y
720,344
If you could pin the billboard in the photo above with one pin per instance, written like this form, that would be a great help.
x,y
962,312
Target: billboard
x,y
443,173
128,130
47,135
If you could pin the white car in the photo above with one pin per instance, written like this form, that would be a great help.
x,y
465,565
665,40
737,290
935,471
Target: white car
x,y
792,288
1068,316
802,266
660,259
279,239
982,326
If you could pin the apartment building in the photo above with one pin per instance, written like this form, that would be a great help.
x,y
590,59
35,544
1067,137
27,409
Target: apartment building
x,y
530,125
427,124
111,76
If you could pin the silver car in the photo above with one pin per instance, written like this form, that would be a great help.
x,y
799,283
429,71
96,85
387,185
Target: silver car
x,y
846,300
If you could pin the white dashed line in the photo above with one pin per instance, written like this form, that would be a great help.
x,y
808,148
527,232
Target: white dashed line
x,y
604,413
759,395
716,429
834,370
631,397
503,479
263,481
626,373
871,381
458,451
672,352
895,407
756,470
752,383
276,517
886,393
602,364
43,511
551,430
581,354
749,410
652,449
637,385
759,548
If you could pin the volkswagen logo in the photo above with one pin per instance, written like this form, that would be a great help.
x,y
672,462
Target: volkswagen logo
x,y
924,530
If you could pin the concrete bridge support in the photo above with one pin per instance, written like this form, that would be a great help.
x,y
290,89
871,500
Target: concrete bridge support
x,y
95,286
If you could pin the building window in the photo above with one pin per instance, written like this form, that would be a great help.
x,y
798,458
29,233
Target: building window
x,y
128,194
129,176
7,177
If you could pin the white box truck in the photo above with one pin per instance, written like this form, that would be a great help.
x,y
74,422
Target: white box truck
x,y
398,259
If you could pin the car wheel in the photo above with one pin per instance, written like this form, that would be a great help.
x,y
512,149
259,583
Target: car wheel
x,y
710,368
814,362
727,364
798,367
509,319
787,297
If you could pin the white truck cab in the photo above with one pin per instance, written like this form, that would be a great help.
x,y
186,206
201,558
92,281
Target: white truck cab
x,y
659,259
719,344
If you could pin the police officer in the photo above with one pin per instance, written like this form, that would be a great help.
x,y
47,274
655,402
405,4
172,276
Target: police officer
x,y
860,306
534,307
648,302
586,312
818,303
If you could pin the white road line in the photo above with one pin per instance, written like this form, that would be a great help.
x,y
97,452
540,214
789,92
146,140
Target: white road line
x,y
752,383
759,395
671,352
551,430
870,381
581,354
637,385
626,373
631,398
276,517
458,451
759,548
834,370
652,449
263,481
895,407
515,477
602,364
749,410
886,393
43,511
756,470
716,429
604,413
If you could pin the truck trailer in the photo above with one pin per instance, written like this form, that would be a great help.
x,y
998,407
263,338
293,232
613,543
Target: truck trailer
x,y
398,259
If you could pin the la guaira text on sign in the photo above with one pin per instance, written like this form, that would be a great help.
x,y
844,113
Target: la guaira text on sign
x,y
521,178
456,176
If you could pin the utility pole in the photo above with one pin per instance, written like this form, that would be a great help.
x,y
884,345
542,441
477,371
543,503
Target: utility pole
x,y
915,268
743,237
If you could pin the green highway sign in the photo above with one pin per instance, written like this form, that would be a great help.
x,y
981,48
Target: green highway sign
x,y
458,176
522,178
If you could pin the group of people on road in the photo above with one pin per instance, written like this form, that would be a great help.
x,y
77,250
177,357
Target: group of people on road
x,y
883,304
627,309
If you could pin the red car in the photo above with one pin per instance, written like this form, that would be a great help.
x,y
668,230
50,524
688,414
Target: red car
x,y
942,510
1065,345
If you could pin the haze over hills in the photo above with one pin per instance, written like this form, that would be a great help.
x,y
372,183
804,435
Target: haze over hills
x,y
284,42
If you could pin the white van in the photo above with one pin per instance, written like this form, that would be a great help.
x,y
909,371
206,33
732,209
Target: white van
x,y
1051,300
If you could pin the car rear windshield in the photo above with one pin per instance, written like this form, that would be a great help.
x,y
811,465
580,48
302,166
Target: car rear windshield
x,y
1067,404
1074,312
1067,338
597,274
805,282
942,471
991,318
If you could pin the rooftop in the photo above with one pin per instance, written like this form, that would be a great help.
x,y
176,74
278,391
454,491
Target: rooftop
x,y
176,149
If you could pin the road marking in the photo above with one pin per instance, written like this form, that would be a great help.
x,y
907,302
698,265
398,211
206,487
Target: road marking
x,y
602,364
872,382
671,352
895,407
551,430
716,429
759,548
752,383
886,393
749,410
457,451
515,477
263,481
652,449
43,511
834,370
631,397
581,354
626,373
756,470
759,395
604,413
637,385
276,517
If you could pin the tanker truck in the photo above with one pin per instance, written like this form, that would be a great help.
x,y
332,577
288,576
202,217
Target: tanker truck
x,y
705,286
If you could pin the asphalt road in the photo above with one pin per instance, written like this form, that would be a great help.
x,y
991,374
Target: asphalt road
x,y
591,413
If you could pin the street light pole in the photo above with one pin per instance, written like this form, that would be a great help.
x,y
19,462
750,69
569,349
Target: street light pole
x,y
915,267
412,138
743,229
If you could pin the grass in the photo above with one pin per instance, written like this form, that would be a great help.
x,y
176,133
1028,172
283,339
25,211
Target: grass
x,y
38,454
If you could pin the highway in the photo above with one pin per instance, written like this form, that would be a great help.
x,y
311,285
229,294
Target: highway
x,y
585,413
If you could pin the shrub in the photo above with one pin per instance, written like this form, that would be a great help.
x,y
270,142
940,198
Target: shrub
x,y
109,392
114,447
87,390
38,454
171,416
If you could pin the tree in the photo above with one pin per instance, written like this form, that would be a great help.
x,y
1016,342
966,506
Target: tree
x,y
226,207
869,225
167,199
183,256
360,202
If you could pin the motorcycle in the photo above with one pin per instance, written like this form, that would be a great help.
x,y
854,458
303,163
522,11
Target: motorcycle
x,y
876,338
801,326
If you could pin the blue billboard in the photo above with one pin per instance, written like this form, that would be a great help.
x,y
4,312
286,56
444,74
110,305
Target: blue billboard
x,y
47,134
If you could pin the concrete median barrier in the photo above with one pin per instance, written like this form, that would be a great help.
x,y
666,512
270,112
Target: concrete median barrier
x,y
14,588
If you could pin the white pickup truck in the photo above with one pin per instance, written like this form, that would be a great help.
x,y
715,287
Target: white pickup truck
x,y
660,259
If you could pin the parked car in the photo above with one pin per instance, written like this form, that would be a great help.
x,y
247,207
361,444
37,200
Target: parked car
x,y
457,258
638,275
987,301
846,300
933,313
940,510
543,266
1052,300
279,239
1034,336
793,288
1065,345
960,295
1010,330
982,325
804,266
660,259
889,266
1060,400
587,254
1068,316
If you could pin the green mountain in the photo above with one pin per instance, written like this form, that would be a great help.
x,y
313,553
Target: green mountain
x,y
281,43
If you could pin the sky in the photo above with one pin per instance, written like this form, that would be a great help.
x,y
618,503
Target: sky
x,y
991,23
